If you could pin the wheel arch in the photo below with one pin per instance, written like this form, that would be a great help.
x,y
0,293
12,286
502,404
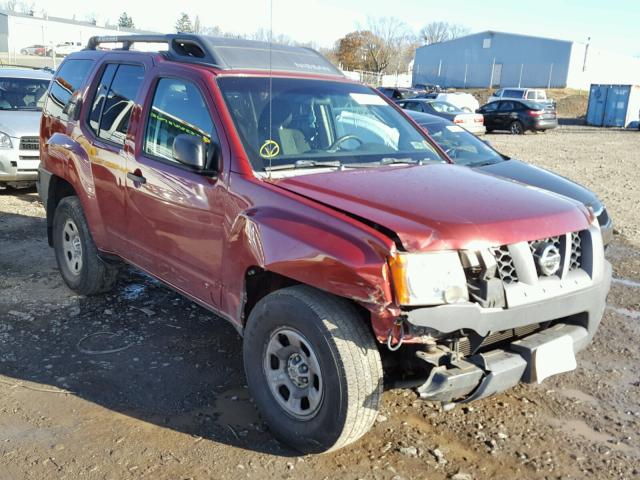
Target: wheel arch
x,y
59,188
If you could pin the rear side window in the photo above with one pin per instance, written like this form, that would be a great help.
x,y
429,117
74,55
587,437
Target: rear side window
x,y
178,108
506,106
513,93
114,100
490,107
68,79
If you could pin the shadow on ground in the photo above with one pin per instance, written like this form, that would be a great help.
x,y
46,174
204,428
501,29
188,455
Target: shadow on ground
x,y
141,350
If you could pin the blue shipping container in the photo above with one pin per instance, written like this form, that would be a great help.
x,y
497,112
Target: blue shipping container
x,y
614,106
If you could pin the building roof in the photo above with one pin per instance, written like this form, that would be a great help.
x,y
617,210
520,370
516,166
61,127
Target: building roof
x,y
72,22
495,32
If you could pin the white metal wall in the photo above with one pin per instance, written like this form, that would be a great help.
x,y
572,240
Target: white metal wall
x,y
601,66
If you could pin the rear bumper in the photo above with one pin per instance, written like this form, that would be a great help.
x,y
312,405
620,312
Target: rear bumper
x,y
475,129
545,124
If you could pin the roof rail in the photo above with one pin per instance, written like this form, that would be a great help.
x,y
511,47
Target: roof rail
x,y
178,46
230,53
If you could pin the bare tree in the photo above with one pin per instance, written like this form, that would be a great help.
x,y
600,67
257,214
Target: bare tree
x,y
436,32
386,42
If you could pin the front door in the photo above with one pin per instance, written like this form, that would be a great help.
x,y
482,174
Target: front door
x,y
174,216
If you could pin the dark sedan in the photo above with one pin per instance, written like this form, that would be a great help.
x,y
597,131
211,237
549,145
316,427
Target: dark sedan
x,y
465,149
518,116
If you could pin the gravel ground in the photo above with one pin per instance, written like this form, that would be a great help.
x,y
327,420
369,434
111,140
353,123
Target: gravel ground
x,y
141,383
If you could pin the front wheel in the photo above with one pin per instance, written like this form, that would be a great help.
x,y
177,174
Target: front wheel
x,y
516,128
313,368
77,256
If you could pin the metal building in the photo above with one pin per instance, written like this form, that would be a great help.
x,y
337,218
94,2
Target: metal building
x,y
497,59
19,31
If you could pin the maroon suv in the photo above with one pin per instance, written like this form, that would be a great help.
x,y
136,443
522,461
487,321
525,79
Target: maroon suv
x,y
319,220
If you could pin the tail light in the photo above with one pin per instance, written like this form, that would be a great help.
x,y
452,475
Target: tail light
x,y
535,113
479,119
458,120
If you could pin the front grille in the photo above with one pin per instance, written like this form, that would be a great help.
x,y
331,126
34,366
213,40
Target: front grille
x,y
576,252
30,143
506,268
464,345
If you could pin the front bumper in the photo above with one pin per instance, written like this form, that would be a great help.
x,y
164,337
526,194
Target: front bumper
x,y
470,316
18,165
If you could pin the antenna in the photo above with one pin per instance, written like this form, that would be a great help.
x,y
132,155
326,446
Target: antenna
x,y
270,80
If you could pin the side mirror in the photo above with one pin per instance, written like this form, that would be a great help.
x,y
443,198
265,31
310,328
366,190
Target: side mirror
x,y
190,150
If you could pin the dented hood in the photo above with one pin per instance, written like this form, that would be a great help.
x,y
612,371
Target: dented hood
x,y
440,206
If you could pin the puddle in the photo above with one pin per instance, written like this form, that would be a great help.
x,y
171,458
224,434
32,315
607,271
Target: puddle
x,y
577,395
626,312
235,409
626,282
133,291
575,427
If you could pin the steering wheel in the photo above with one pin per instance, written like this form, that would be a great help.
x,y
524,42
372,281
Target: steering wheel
x,y
335,145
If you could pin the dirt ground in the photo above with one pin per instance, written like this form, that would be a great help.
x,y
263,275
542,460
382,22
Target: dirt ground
x,y
141,383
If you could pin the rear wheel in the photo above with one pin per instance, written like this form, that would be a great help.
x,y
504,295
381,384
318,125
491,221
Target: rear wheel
x,y
516,128
313,368
76,254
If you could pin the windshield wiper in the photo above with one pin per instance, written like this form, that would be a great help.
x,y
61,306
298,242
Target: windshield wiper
x,y
305,164
483,163
389,161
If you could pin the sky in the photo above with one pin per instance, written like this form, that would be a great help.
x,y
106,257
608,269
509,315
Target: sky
x,y
612,25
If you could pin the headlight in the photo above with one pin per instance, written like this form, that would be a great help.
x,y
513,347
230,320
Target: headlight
x,y
5,141
431,278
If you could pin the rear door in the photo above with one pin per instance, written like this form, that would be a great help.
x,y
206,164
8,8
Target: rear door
x,y
111,101
504,114
175,215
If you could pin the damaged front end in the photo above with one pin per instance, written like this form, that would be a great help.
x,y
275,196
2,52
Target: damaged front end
x,y
531,307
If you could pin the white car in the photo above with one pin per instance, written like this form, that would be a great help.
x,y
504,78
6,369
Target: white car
x,y
22,93
535,94
464,101
66,48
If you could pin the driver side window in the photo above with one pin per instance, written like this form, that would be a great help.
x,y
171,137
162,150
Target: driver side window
x,y
178,108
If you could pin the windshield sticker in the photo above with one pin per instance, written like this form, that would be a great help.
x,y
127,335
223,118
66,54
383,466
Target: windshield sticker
x,y
367,99
419,145
455,128
269,149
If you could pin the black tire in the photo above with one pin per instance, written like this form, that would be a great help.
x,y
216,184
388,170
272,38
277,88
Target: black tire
x,y
93,275
516,128
349,361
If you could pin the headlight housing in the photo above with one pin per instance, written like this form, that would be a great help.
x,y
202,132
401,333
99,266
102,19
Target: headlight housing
x,y
431,278
5,141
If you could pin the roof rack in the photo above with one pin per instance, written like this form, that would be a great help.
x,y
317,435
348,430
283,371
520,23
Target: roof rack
x,y
230,53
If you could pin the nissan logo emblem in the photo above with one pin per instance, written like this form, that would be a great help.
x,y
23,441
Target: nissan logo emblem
x,y
547,258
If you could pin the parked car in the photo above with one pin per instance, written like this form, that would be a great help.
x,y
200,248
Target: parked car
x,y
427,87
518,116
464,101
533,94
320,221
22,93
467,150
398,93
39,50
473,122
64,49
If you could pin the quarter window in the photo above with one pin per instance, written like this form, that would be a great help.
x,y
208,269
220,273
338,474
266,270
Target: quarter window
x,y
178,108
69,78
114,100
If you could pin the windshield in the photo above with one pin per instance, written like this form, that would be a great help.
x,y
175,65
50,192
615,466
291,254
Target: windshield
x,y
22,93
445,107
462,147
313,121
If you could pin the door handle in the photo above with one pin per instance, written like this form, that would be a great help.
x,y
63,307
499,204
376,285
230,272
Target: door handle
x,y
136,177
